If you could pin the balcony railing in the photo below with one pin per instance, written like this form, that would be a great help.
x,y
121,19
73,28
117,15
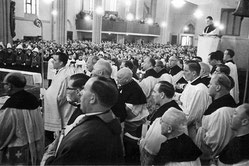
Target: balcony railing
x,y
120,27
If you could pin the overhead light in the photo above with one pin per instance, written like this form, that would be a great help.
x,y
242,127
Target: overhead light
x,y
99,10
128,3
87,18
150,21
216,24
221,27
178,3
198,14
54,12
129,17
186,28
163,24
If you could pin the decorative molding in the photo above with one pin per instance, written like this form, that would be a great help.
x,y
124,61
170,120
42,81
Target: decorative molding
x,y
120,33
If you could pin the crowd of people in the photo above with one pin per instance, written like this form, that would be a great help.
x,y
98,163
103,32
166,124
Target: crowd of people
x,y
123,104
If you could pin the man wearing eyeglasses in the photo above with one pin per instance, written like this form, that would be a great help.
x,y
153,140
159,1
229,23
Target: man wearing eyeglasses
x,y
75,85
94,138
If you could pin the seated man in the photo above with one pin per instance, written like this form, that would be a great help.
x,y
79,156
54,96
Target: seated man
x,y
219,90
178,148
75,85
236,151
135,101
21,125
94,138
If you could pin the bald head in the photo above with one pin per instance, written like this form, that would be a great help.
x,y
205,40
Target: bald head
x,y
205,69
124,76
102,68
176,119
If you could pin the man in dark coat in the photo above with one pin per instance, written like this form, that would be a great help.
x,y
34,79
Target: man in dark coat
x,y
163,94
219,90
94,138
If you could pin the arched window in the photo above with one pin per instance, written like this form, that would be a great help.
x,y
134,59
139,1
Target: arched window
x,y
30,6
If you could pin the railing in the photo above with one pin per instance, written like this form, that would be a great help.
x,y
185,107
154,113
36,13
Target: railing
x,y
120,27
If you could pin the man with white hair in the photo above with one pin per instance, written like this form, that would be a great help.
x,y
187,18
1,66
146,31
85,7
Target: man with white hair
x,y
177,148
135,101
103,68
204,73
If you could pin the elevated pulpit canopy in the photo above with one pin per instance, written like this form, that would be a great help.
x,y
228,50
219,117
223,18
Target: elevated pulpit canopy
x,y
242,9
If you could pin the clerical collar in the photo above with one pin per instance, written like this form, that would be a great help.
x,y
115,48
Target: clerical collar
x,y
193,80
57,71
230,61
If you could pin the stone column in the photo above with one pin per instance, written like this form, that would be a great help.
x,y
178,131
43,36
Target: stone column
x,y
163,15
5,36
61,22
97,23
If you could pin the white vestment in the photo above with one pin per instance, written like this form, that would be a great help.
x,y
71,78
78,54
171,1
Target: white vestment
x,y
215,131
57,110
51,70
234,74
153,139
195,100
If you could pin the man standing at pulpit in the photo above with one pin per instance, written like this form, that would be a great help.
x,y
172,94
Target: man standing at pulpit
x,y
210,29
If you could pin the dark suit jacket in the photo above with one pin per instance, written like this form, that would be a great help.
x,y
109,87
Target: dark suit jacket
x,y
91,142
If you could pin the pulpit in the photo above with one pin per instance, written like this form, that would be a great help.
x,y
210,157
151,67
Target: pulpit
x,y
206,45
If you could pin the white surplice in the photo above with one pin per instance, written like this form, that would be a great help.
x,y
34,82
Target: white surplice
x,y
56,108
234,74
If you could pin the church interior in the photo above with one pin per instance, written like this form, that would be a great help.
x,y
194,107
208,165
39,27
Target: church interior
x,y
124,82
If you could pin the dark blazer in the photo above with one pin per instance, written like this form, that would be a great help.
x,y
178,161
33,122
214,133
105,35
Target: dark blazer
x,y
91,142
